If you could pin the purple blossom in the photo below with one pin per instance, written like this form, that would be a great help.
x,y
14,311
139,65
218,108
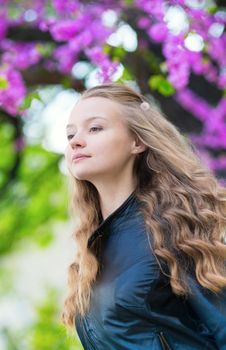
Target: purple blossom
x,y
178,79
158,32
195,60
99,31
46,23
218,163
99,58
65,58
66,6
3,26
81,41
155,8
96,55
13,95
213,118
196,105
176,60
79,26
217,49
144,22
21,55
221,83
65,29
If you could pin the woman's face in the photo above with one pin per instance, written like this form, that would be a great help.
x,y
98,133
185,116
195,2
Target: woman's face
x,y
97,132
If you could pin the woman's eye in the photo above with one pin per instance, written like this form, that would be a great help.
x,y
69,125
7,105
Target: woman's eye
x,y
92,129
95,128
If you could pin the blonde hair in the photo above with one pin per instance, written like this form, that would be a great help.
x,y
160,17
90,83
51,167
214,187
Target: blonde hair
x,y
183,204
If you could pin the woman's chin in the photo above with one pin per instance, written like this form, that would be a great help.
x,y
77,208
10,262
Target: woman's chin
x,y
82,175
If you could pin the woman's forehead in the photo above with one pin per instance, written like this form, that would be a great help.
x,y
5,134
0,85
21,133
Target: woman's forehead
x,y
93,108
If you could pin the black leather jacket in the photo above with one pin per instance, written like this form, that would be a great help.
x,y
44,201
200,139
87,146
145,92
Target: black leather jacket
x,y
132,305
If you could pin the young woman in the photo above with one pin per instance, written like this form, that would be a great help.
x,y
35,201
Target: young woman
x,y
149,271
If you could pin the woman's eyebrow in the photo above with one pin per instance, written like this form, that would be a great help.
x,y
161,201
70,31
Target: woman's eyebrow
x,y
86,120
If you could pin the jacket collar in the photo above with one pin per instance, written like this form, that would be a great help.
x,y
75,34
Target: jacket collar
x,y
120,211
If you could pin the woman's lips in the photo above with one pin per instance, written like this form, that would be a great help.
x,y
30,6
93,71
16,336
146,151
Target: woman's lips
x,y
79,158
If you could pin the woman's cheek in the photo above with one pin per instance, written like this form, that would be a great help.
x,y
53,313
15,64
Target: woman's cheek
x,y
67,154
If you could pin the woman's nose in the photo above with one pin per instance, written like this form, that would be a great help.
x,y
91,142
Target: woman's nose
x,y
77,141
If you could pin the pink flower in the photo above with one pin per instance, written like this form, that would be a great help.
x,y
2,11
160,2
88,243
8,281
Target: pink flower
x,y
65,29
21,55
66,6
144,22
3,26
106,67
158,32
65,58
222,81
217,48
96,55
13,95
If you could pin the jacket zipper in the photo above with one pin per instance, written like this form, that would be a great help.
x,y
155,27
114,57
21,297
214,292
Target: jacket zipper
x,y
89,336
164,342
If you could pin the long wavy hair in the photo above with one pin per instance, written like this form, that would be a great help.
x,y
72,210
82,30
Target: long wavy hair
x,y
183,204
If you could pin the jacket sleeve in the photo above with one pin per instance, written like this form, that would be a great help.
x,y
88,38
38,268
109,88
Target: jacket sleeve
x,y
211,309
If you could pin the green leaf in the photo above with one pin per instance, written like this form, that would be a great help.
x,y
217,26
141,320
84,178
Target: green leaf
x,y
45,49
28,100
166,88
45,331
66,82
118,53
126,75
34,201
152,60
161,84
4,84
45,237
128,2
13,11
212,10
155,81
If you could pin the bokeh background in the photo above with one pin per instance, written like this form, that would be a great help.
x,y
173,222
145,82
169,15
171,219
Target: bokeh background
x,y
172,51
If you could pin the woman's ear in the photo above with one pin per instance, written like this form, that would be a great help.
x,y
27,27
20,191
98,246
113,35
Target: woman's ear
x,y
138,146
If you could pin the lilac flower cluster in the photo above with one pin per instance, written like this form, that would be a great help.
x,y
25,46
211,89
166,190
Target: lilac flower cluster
x,y
213,134
77,30
181,61
99,58
12,90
